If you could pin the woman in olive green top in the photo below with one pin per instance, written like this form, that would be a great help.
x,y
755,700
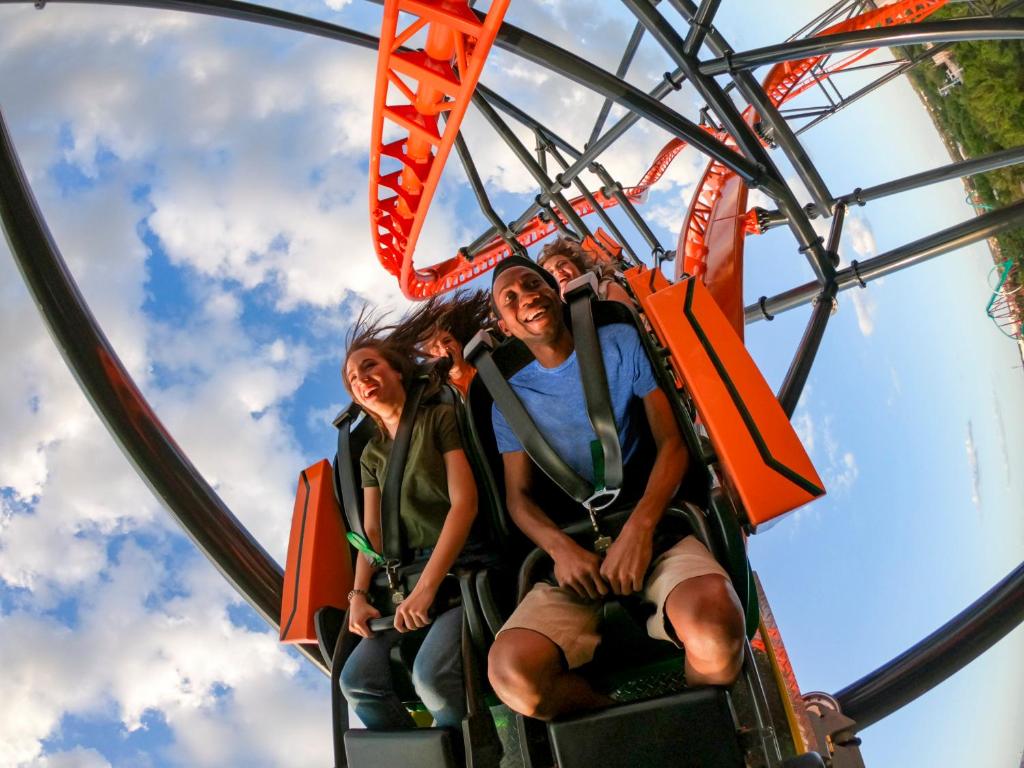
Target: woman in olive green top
x,y
437,508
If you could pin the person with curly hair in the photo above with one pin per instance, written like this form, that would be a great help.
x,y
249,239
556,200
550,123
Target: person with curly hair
x,y
565,260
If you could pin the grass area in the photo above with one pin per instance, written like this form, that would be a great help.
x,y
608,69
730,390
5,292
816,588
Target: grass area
x,y
982,115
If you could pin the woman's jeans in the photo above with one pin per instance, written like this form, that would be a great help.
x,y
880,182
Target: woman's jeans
x,y
436,676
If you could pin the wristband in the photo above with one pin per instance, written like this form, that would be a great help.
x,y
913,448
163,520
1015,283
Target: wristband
x,y
354,592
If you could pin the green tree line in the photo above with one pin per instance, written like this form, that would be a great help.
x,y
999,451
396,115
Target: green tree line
x,y
983,115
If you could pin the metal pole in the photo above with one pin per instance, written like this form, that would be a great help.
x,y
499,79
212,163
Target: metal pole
x,y
569,65
481,196
943,653
905,34
913,62
752,91
598,209
796,377
979,228
531,165
627,59
955,170
700,25
510,109
614,189
145,442
726,111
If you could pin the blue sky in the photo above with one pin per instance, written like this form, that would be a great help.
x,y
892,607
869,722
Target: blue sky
x,y
206,182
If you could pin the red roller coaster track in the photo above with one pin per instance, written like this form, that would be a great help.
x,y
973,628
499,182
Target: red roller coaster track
x,y
442,78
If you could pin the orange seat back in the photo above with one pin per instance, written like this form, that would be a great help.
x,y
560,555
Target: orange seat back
x,y
318,571
762,460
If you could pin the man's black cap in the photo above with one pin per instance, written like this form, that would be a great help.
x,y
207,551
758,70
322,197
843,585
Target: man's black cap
x,y
522,261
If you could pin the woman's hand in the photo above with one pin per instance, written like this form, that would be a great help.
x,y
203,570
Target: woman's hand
x,y
412,612
359,614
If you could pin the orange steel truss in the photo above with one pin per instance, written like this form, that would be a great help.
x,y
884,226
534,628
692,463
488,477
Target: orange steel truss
x,y
439,79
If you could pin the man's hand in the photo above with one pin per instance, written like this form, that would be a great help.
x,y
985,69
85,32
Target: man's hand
x,y
359,614
412,612
579,570
625,562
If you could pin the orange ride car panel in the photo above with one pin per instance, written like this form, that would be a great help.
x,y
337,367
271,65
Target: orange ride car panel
x,y
725,236
318,571
762,459
644,281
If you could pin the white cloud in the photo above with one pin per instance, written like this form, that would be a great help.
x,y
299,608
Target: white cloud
x,y
973,466
858,237
128,658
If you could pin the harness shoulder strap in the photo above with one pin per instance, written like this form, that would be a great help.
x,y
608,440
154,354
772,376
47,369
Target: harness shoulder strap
x,y
390,498
580,294
349,484
479,352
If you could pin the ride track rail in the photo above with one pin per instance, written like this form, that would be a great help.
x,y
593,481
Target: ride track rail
x,y
737,148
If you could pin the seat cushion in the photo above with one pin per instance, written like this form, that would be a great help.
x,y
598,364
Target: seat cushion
x,y
692,729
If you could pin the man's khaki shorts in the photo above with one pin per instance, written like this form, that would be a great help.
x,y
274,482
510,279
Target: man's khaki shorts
x,y
570,621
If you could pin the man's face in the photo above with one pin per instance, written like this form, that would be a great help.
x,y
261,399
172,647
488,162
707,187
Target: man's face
x,y
528,308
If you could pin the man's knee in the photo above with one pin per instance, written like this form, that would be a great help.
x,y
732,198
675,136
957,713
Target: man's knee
x,y
707,617
520,667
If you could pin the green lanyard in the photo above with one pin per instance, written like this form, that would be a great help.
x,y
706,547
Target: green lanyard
x,y
597,457
360,543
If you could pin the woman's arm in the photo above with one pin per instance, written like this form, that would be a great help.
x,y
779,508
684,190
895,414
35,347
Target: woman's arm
x,y
412,612
360,610
462,492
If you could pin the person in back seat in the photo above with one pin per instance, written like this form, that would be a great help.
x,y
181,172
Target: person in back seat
x,y
555,628
437,507
447,326
565,260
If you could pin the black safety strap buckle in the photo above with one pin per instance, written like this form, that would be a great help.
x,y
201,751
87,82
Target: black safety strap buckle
x,y
602,498
397,592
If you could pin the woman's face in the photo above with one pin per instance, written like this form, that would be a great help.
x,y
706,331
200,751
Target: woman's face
x,y
443,344
563,270
375,385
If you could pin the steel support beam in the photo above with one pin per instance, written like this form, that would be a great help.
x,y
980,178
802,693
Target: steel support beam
x,y
729,115
624,62
906,34
598,208
500,102
800,368
477,184
579,70
700,26
613,188
939,656
959,169
117,400
752,91
531,165
979,228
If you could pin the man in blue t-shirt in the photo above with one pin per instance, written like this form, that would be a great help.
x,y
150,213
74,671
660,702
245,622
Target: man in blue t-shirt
x,y
554,629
